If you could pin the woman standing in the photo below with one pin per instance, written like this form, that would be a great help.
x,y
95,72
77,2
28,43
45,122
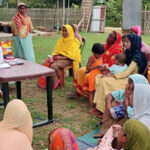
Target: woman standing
x,y
136,62
21,28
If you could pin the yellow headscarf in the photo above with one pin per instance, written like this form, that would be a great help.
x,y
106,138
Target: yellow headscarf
x,y
17,116
69,47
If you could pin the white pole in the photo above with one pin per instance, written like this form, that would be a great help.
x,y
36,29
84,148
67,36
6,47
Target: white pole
x,y
63,12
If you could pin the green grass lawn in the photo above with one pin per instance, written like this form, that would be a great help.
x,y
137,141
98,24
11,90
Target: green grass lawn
x,y
69,113
44,46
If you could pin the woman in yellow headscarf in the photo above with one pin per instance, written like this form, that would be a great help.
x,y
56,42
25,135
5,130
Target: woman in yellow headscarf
x,y
65,53
16,127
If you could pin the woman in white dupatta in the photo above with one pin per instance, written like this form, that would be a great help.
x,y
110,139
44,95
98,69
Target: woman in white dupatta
x,y
16,131
141,104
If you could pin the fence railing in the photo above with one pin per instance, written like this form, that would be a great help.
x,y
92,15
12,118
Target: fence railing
x,y
47,18
146,22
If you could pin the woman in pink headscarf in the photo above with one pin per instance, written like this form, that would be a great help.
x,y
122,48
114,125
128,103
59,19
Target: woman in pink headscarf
x,y
137,30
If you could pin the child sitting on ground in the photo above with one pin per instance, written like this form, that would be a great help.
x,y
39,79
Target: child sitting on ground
x,y
117,67
93,67
124,98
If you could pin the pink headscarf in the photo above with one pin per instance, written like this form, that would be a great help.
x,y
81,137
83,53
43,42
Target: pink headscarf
x,y
136,29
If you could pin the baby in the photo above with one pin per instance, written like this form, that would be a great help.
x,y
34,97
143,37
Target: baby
x,y
119,65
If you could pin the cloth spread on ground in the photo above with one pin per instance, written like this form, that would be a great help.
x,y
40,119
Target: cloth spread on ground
x,y
87,140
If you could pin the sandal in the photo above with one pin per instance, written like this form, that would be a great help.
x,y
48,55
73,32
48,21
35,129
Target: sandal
x,y
100,116
94,111
56,85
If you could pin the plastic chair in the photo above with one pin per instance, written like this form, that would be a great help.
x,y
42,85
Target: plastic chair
x,y
70,68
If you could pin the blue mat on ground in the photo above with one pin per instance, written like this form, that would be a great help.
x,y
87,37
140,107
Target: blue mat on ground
x,y
87,140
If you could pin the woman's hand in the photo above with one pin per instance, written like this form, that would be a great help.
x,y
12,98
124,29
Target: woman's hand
x,y
60,57
108,75
128,92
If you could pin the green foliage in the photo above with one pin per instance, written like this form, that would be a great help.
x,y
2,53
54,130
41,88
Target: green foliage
x,y
147,4
113,13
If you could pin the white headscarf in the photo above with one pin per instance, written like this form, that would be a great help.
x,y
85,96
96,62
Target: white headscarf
x,y
141,103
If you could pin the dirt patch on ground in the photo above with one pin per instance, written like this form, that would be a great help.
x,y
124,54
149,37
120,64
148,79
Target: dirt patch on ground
x,y
69,113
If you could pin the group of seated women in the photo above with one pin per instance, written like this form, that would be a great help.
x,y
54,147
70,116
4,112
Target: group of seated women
x,y
96,80
113,80
114,83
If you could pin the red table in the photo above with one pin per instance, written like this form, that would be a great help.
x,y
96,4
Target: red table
x,y
27,71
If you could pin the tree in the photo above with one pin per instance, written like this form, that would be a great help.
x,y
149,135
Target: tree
x,y
43,3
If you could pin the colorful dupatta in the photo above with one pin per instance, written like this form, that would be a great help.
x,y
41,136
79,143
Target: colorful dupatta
x,y
62,139
136,29
21,25
69,47
109,54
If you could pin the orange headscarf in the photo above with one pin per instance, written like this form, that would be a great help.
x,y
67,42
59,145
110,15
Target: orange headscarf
x,y
21,25
62,139
109,54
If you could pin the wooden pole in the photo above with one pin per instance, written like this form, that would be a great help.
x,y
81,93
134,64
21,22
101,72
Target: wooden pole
x,y
57,16
68,11
63,12
145,19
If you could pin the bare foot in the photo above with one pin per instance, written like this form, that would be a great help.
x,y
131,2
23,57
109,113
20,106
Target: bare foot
x,y
99,135
94,111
